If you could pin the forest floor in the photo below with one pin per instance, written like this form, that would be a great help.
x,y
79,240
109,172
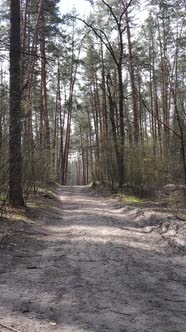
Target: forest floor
x,y
84,262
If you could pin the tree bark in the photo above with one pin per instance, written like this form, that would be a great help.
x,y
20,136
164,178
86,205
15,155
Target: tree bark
x,y
15,174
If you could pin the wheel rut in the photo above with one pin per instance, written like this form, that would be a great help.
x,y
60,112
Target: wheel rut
x,y
89,265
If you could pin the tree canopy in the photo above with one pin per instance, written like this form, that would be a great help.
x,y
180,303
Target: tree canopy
x,y
100,98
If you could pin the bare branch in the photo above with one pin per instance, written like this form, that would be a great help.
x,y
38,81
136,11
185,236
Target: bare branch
x,y
101,35
126,7
118,21
156,117
111,11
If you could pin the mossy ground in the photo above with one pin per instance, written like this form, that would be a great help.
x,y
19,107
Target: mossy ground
x,y
129,199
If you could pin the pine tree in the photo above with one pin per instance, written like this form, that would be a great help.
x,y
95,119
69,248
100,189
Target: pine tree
x,y
15,179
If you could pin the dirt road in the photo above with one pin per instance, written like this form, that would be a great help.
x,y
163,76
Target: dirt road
x,y
89,264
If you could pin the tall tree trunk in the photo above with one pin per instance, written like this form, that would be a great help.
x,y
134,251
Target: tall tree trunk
x,y
15,175
44,96
117,145
132,81
164,88
121,122
1,112
83,157
67,142
90,144
62,123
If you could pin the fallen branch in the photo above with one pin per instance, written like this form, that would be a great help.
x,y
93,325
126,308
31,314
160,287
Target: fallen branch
x,y
9,328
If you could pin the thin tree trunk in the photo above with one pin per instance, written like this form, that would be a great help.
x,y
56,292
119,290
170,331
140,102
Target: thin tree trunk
x,y
44,96
132,81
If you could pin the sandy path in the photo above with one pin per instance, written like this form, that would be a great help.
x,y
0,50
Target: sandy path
x,y
90,265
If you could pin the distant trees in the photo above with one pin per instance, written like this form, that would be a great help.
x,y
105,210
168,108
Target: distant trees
x,y
149,64
103,100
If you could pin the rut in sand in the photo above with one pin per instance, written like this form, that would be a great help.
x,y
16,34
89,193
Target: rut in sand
x,y
89,264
